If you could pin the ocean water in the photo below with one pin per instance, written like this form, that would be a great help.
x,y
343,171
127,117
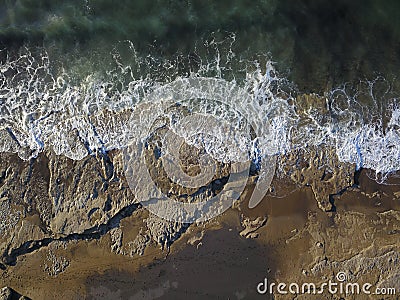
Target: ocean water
x,y
315,43
72,73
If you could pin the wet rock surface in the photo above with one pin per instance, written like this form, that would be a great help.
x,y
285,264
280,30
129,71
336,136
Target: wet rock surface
x,y
66,221
7,293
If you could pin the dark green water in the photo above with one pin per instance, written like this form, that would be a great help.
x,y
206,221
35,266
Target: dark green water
x,y
315,43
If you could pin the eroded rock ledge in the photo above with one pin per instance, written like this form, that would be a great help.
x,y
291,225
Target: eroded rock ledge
x,y
52,198
51,202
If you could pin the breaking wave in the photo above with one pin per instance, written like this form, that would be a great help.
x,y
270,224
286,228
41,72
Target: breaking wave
x,y
41,111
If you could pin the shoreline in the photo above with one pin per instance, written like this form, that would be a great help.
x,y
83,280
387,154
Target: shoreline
x,y
295,218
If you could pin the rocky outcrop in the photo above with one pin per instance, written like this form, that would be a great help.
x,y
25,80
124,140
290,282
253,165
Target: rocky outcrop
x,y
55,199
51,206
320,169
250,226
7,293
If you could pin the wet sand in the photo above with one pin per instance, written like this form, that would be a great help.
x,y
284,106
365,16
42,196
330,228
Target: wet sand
x,y
222,264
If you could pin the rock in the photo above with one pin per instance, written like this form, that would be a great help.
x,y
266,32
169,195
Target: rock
x,y
116,240
139,244
7,293
163,232
250,226
196,239
55,264
320,169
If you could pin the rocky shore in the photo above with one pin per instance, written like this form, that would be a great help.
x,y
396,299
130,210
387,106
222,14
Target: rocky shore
x,y
74,228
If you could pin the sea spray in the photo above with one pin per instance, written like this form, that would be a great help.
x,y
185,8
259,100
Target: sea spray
x,y
40,110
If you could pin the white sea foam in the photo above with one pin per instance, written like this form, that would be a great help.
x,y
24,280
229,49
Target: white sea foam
x,y
41,111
